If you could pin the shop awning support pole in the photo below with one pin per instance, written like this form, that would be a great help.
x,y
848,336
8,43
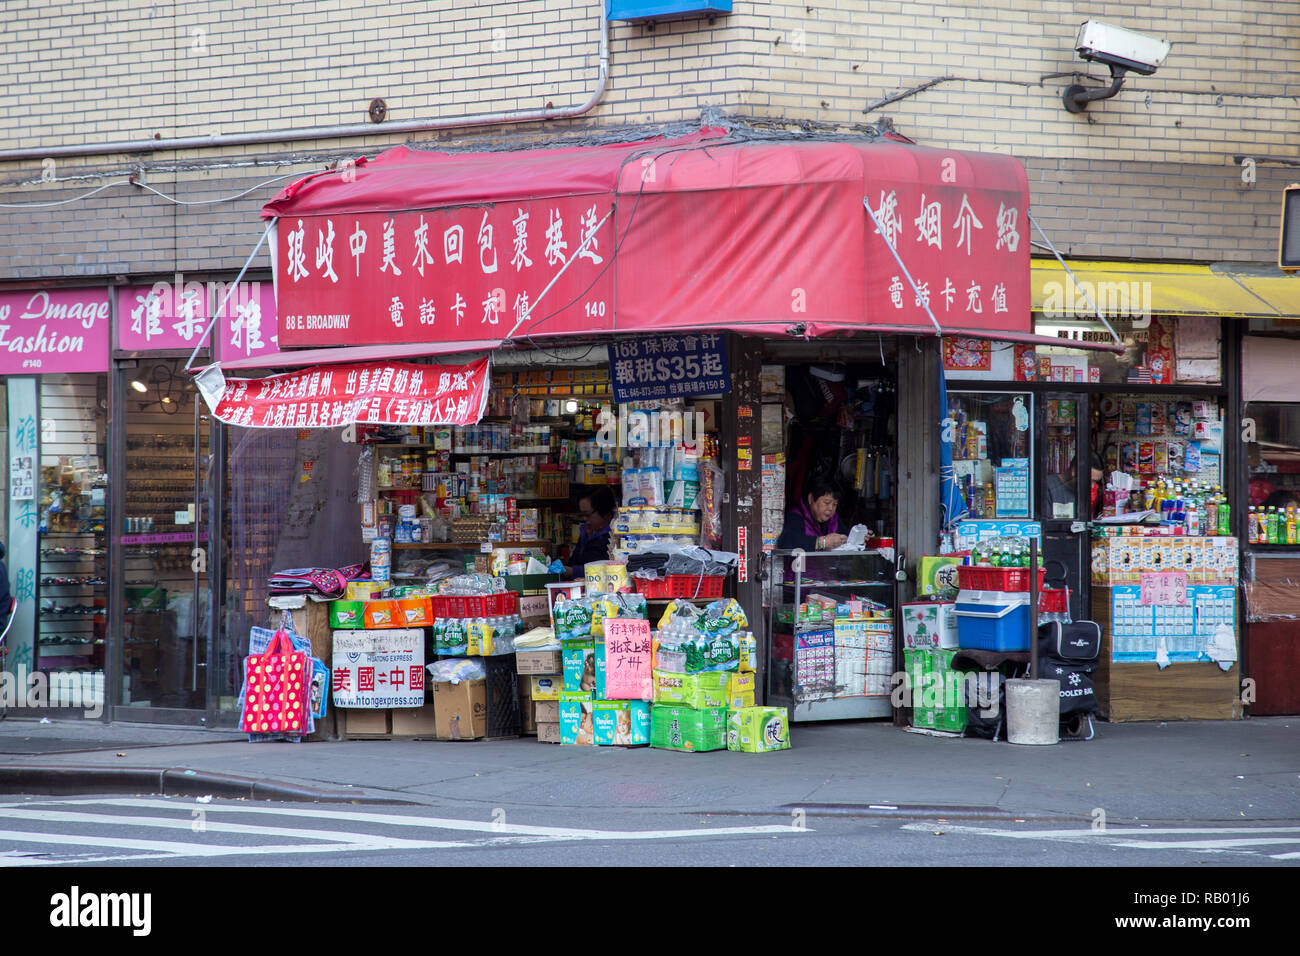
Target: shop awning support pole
x,y
555,278
938,329
229,292
1075,280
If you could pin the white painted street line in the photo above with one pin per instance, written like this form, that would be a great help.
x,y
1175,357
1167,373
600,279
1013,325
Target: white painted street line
x,y
216,819
213,826
441,823
1109,833
1213,839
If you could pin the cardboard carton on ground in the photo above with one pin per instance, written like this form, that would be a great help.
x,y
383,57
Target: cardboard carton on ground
x,y
365,723
548,732
460,710
546,711
757,730
686,729
414,721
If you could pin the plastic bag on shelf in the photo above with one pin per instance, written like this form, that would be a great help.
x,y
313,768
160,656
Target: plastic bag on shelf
x,y
455,671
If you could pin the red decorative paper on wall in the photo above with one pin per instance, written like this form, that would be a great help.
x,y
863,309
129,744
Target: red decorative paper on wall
x,y
961,355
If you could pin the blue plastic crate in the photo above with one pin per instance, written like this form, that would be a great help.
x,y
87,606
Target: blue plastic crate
x,y
641,10
987,626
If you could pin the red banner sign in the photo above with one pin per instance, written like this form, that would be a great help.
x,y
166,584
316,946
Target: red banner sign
x,y
967,250
451,275
374,393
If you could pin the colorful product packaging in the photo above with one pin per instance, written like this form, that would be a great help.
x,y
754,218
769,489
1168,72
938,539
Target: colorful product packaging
x,y
450,637
740,690
936,576
758,730
546,686
579,667
938,692
688,730
576,721
748,653
347,615
383,614
620,722
698,691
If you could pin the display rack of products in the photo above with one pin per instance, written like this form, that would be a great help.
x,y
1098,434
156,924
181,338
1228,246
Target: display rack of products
x,y
831,627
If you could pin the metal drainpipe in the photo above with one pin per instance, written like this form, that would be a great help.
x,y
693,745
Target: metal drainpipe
x,y
329,132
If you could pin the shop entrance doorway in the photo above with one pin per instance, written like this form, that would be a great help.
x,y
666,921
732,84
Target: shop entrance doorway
x,y
163,542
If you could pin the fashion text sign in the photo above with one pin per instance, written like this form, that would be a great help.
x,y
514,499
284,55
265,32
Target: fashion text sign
x,y
54,331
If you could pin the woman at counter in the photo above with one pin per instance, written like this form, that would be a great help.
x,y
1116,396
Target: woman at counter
x,y
597,511
814,524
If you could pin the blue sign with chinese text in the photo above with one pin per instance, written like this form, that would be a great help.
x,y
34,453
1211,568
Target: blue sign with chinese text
x,y
669,366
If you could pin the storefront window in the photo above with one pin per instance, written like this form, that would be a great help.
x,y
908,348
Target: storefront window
x,y
1273,462
992,441
1158,350
1177,440
70,579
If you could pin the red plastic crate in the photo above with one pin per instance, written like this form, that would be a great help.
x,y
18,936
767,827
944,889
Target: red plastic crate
x,y
489,605
971,578
1054,601
681,586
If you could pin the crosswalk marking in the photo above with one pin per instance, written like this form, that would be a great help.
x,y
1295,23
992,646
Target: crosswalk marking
x,y
1211,839
218,819
439,823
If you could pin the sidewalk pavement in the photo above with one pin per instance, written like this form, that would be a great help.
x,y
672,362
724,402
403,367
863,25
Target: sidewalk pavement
x,y
1245,770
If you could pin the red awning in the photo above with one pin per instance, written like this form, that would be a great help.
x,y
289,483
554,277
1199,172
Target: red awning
x,y
704,232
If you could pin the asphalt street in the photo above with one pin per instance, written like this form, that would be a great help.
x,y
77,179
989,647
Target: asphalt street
x,y
108,831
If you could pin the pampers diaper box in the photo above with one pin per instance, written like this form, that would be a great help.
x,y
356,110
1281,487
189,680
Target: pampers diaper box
x,y
576,721
758,730
620,722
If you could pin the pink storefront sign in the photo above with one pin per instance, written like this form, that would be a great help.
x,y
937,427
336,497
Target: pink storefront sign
x,y
246,323
161,316
52,331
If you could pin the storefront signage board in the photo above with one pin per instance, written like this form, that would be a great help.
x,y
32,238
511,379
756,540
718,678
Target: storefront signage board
x,y
161,316
246,325
455,274
669,366
392,393
379,668
54,331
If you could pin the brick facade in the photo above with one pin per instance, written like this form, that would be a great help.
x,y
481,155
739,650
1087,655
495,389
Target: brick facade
x,y
129,70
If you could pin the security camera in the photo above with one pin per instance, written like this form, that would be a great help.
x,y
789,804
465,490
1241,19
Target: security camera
x,y
1122,50
1116,46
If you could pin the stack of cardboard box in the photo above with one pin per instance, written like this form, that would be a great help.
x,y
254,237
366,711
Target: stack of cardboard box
x,y
540,680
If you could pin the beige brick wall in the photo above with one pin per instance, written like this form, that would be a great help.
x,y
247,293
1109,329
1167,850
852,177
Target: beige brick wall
x,y
134,69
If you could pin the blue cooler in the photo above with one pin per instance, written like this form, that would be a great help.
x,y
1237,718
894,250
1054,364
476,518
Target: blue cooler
x,y
993,620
